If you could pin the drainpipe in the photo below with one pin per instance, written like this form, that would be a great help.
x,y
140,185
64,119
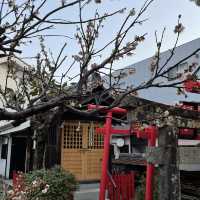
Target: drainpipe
x,y
6,156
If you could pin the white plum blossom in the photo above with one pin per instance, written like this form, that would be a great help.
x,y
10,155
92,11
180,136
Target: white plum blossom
x,y
45,190
34,182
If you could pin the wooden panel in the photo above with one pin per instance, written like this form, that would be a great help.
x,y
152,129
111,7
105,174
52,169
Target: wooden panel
x,y
81,151
71,160
72,136
93,156
93,165
71,157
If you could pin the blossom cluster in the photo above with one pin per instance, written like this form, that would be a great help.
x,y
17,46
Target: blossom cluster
x,y
21,191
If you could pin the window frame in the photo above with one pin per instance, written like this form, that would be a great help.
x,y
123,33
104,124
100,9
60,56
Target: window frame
x,y
179,69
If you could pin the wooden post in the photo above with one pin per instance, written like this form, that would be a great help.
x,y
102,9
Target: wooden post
x,y
169,184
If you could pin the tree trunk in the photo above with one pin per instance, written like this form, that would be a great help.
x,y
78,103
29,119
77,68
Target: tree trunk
x,y
39,156
46,136
169,187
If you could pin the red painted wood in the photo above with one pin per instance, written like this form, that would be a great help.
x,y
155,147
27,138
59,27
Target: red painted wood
x,y
115,110
125,186
113,131
104,176
107,131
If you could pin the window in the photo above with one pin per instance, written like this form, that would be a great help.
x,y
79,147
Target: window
x,y
175,72
172,74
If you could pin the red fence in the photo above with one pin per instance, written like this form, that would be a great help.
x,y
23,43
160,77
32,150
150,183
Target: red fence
x,y
121,186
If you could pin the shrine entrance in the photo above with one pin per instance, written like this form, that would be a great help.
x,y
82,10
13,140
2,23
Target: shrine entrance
x,y
81,150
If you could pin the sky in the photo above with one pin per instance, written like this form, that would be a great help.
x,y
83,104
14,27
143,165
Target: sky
x,y
162,13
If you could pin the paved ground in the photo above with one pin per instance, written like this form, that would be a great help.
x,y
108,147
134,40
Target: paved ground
x,y
87,191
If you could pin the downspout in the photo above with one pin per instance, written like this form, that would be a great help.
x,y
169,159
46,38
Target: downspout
x,y
6,156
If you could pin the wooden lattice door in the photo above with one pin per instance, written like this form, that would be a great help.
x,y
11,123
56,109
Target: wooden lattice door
x,y
82,150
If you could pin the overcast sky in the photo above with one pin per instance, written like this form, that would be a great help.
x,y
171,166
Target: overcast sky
x,y
162,13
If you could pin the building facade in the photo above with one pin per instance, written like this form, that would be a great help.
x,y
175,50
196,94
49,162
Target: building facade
x,y
139,72
142,72
74,145
10,142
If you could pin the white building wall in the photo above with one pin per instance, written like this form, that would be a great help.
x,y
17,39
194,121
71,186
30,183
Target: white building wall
x,y
18,65
10,82
143,73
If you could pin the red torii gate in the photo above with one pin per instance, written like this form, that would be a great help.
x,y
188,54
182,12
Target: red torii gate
x,y
149,133
107,130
